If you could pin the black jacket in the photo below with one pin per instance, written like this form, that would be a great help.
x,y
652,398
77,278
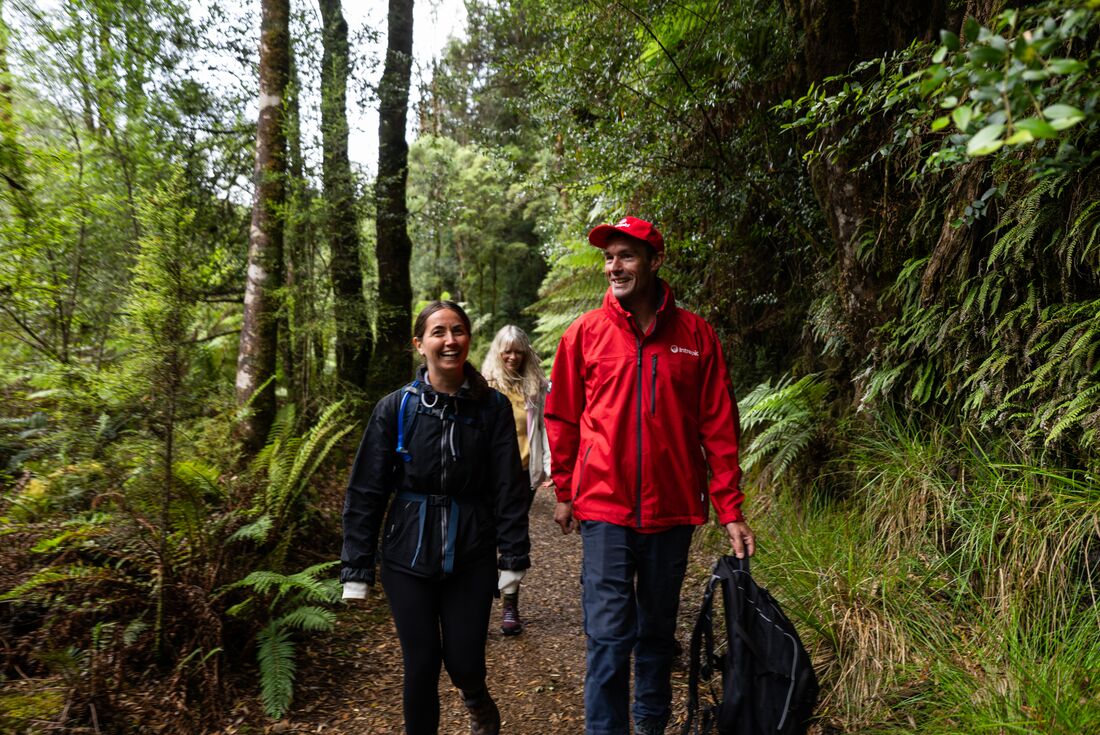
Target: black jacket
x,y
462,454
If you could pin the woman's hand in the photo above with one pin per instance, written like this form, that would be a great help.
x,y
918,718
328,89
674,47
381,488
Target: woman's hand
x,y
355,591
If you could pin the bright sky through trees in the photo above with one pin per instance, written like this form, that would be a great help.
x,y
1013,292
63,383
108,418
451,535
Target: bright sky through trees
x,y
435,22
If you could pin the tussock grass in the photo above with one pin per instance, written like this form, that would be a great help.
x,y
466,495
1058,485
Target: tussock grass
x,y
950,590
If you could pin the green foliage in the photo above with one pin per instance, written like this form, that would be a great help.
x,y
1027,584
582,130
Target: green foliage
x,y
655,109
16,442
472,226
951,590
21,710
573,286
1023,82
37,587
289,462
275,653
991,244
782,420
289,606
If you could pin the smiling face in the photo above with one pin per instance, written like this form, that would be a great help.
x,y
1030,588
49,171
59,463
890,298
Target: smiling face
x,y
513,359
445,342
631,271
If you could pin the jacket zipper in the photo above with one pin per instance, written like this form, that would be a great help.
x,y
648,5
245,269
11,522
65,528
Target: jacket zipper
x,y
443,451
653,387
639,403
443,478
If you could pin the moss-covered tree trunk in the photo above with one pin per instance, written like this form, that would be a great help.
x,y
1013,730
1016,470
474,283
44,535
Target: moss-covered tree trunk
x,y
392,361
837,34
259,332
354,339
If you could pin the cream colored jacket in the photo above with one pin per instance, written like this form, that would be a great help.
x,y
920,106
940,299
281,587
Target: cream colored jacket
x,y
538,464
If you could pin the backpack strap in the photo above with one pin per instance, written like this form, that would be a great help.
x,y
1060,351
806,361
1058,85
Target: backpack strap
x,y
406,415
412,389
701,660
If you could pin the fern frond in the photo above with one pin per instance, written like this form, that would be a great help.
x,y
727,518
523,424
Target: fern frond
x,y
200,476
309,618
55,575
275,654
256,531
263,581
1072,411
291,461
791,413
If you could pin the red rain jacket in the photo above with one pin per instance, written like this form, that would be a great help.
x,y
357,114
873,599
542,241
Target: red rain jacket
x,y
634,421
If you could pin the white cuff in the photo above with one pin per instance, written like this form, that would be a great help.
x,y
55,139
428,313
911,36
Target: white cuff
x,y
509,580
355,591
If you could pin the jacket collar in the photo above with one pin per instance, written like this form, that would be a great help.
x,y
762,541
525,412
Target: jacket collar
x,y
473,387
622,317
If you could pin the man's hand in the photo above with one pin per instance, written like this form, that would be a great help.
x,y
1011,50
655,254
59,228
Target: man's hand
x,y
742,539
563,516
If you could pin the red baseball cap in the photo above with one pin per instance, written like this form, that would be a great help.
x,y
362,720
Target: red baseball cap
x,y
639,229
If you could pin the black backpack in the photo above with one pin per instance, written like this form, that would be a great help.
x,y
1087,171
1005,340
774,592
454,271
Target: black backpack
x,y
768,682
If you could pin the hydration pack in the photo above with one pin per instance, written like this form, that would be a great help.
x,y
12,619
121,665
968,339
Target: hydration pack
x,y
413,404
768,684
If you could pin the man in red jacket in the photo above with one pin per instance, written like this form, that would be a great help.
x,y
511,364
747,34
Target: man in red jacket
x,y
641,407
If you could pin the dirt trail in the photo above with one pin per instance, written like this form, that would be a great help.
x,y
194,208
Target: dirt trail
x,y
349,681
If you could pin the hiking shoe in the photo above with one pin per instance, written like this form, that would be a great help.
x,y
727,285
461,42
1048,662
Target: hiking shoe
x,y
510,623
484,715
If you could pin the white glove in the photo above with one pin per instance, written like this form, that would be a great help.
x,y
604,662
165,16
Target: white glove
x,y
355,591
509,581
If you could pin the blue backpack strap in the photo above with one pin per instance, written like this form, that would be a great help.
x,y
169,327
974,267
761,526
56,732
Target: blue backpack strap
x,y
412,389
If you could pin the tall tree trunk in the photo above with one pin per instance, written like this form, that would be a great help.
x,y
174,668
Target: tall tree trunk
x,y
353,331
836,35
301,364
12,165
392,362
259,332
291,321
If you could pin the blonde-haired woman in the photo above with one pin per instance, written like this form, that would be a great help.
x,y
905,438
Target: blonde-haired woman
x,y
512,367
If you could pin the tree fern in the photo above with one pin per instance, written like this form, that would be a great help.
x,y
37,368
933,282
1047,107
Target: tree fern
x,y
573,286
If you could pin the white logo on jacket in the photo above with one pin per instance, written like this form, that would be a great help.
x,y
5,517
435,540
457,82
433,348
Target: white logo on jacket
x,y
683,351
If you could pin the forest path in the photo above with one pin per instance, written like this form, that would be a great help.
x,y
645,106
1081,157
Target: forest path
x,y
349,681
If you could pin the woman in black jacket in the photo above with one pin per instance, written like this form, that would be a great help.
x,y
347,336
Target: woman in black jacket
x,y
444,446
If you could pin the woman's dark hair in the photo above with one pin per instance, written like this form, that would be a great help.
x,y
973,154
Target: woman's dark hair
x,y
433,306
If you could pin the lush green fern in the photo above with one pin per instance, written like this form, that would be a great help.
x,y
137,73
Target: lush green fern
x,y
275,654
289,461
292,605
782,420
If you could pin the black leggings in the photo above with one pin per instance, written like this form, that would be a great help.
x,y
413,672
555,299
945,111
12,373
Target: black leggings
x,y
440,621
